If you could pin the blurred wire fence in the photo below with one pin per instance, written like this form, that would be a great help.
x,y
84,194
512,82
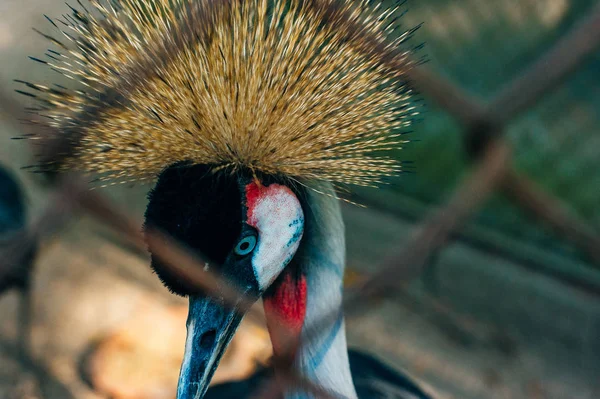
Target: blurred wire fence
x,y
496,167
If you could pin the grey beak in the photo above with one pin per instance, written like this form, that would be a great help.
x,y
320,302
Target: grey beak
x,y
210,328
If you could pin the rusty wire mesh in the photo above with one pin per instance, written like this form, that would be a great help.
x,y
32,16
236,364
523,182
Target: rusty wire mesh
x,y
483,124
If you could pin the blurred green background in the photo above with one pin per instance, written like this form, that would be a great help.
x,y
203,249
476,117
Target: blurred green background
x,y
480,46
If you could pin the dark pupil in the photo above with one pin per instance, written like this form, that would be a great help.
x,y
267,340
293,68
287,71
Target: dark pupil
x,y
244,246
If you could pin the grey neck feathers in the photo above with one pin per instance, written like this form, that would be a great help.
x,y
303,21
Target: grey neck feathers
x,y
323,356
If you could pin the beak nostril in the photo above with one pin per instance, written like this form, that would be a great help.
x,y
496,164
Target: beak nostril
x,y
208,339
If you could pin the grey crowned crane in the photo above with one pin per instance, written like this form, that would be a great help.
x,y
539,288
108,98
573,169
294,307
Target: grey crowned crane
x,y
249,113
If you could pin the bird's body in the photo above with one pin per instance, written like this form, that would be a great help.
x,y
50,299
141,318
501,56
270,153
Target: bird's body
x,y
248,112
17,257
12,205
18,250
373,379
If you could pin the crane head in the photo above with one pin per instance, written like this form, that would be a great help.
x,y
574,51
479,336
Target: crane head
x,y
249,228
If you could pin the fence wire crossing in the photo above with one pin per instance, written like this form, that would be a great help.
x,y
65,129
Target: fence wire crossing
x,y
483,136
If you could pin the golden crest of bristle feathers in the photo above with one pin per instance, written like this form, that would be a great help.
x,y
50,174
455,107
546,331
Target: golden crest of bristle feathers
x,y
284,87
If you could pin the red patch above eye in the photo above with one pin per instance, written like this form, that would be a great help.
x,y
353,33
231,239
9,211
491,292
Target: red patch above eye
x,y
255,193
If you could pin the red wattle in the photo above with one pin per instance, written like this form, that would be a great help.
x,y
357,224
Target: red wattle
x,y
287,307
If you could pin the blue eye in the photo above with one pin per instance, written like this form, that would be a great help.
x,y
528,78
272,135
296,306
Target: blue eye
x,y
245,246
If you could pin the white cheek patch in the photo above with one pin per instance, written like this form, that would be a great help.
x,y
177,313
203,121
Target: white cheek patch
x,y
277,215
